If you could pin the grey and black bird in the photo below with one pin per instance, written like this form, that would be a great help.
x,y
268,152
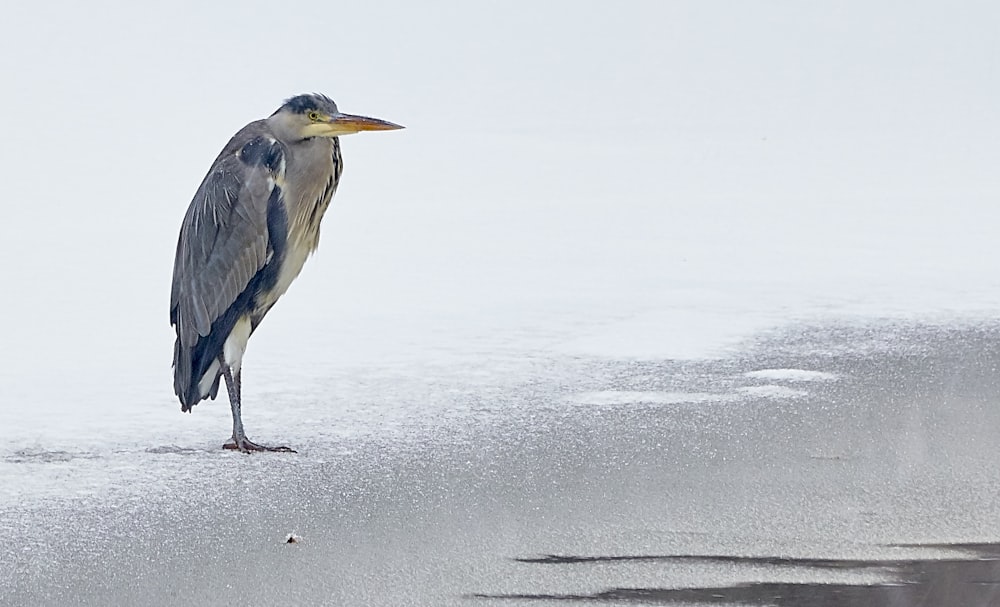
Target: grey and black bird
x,y
249,229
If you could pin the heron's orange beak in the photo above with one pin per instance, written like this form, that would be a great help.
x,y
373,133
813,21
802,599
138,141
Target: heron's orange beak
x,y
346,124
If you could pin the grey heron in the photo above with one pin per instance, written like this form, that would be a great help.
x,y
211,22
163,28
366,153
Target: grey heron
x,y
245,237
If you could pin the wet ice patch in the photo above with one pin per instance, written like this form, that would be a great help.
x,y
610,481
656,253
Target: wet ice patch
x,y
791,375
772,391
624,397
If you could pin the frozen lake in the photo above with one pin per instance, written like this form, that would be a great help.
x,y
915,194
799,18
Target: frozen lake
x,y
859,458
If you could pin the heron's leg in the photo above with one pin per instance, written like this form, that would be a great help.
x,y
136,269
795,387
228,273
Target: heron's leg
x,y
240,440
233,385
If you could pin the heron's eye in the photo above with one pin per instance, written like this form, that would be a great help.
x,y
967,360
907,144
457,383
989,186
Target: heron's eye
x,y
314,116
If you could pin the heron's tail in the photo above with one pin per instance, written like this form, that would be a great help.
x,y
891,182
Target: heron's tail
x,y
196,376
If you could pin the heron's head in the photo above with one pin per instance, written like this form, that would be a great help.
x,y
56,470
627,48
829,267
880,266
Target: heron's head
x,y
315,115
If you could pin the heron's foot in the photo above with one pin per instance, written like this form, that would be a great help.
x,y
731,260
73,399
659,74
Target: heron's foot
x,y
246,445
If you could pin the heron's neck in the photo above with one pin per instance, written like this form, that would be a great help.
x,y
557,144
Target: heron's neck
x,y
311,167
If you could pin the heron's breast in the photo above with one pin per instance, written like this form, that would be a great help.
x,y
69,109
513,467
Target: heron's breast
x,y
302,239
307,186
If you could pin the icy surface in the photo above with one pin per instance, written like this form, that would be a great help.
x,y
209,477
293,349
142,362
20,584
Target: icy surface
x,y
617,397
771,391
792,375
483,471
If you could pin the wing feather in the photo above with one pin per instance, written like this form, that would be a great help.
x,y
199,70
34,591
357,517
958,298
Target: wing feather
x,y
223,241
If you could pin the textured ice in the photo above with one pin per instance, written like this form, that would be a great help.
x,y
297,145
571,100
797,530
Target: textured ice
x,y
793,375
614,397
772,391
482,474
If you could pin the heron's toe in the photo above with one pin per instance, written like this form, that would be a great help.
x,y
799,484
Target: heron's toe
x,y
246,445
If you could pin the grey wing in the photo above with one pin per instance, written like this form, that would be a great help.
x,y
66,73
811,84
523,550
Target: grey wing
x,y
223,243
